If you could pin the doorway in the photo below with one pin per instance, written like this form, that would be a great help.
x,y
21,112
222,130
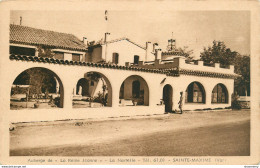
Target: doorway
x,y
167,97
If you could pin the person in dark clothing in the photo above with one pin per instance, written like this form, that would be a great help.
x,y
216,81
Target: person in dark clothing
x,y
180,102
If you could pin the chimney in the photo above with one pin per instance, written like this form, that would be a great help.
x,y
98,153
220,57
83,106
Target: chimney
x,y
85,40
148,50
106,37
158,54
155,46
231,67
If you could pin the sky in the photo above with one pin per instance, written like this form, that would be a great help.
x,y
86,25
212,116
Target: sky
x,y
195,29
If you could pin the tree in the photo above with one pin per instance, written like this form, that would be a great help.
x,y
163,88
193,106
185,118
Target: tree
x,y
183,51
188,54
39,81
44,51
242,67
219,53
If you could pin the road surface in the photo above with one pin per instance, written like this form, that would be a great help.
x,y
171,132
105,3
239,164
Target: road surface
x,y
212,134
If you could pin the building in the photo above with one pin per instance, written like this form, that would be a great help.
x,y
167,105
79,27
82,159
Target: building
x,y
120,51
29,41
133,80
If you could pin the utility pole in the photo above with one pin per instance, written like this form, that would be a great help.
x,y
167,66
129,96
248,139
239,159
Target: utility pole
x,y
106,34
21,19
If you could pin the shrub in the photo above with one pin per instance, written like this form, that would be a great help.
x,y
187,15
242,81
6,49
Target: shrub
x,y
57,101
235,103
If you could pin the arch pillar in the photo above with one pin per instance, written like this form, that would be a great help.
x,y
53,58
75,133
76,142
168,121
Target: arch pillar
x,y
208,94
69,86
115,97
116,85
155,94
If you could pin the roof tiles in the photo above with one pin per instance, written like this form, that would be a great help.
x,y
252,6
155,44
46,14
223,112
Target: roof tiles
x,y
168,72
32,36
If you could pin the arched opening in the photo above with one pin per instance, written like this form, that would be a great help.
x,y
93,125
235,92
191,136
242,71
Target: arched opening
x,y
195,93
37,88
219,94
167,97
94,90
134,91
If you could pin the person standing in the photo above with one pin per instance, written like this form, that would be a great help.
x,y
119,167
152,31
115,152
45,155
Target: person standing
x,y
180,102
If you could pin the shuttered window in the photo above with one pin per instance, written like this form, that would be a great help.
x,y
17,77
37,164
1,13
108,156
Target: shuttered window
x,y
59,55
136,59
115,58
75,57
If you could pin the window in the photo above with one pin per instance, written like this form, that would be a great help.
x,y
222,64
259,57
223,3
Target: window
x,y
136,59
195,93
115,58
22,51
75,57
59,55
219,94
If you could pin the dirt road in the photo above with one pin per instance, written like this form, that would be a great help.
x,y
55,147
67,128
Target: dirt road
x,y
123,136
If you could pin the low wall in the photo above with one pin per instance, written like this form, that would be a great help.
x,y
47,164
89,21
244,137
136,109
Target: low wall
x,y
33,115
201,106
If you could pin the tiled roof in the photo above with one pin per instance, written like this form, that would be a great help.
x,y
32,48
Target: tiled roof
x,y
32,36
79,63
177,53
168,72
207,74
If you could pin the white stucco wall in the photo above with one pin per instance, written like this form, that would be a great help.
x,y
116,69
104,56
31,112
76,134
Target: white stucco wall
x,y
125,49
70,74
182,83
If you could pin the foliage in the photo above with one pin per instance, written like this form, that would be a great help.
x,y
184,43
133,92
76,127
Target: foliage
x,y
44,51
186,53
219,53
94,76
235,103
242,67
57,101
92,43
18,90
40,81
101,98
